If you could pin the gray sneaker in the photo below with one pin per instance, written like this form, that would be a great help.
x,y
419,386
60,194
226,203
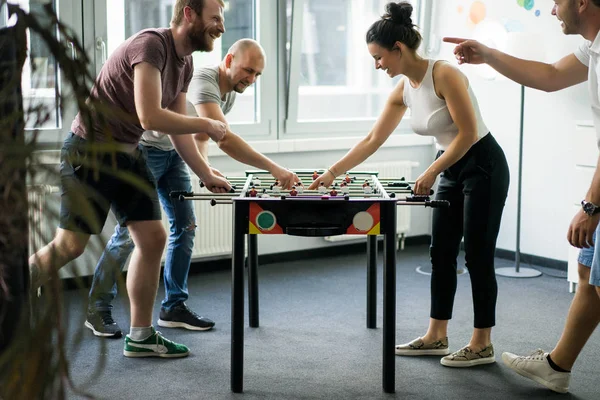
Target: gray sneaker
x,y
536,367
466,357
419,348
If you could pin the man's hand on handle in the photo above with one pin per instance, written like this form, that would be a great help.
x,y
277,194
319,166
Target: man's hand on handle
x,y
216,183
286,178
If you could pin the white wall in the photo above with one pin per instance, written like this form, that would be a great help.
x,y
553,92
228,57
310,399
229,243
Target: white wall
x,y
549,121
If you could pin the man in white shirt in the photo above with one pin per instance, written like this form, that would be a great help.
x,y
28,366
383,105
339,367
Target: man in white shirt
x,y
577,17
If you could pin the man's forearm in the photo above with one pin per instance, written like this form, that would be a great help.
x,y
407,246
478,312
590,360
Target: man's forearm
x,y
240,150
175,123
185,146
528,73
202,145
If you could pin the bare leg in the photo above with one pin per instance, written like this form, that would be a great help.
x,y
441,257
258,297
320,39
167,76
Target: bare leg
x,y
482,337
65,247
144,269
438,330
582,320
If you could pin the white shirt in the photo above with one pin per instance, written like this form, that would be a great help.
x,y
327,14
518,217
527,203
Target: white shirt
x,y
589,55
430,115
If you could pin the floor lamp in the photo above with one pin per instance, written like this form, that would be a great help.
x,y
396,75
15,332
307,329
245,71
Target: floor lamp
x,y
523,46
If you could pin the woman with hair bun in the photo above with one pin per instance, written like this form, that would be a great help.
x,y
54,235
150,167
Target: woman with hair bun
x,y
473,173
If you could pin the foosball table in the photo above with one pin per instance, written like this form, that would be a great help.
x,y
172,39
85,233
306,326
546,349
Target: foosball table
x,y
358,203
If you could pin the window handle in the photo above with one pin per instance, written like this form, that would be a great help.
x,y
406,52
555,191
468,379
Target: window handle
x,y
101,45
71,45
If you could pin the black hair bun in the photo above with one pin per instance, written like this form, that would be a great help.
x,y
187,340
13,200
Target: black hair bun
x,y
399,13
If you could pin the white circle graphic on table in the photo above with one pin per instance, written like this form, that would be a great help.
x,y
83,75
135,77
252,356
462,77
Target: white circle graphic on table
x,y
363,221
266,220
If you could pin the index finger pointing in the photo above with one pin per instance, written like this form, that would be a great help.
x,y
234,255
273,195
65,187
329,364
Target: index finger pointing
x,y
454,40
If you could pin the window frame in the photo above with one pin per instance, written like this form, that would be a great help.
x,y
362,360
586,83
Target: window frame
x,y
266,86
292,127
69,12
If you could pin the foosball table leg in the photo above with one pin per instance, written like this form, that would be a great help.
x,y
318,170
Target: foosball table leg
x,y
253,281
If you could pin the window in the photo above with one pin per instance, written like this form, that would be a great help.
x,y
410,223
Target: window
x,y
40,79
333,85
127,17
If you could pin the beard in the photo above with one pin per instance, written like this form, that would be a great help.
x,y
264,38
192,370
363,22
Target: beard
x,y
198,40
240,87
571,22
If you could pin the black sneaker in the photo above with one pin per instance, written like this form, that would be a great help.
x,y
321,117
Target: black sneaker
x,y
103,324
181,316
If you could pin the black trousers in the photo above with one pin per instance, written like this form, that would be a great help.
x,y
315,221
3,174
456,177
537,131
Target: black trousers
x,y
476,187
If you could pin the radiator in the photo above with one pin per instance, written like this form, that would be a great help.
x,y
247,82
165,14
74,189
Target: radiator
x,y
40,225
214,234
388,169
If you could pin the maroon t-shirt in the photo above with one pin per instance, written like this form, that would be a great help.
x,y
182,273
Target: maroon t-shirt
x,y
114,84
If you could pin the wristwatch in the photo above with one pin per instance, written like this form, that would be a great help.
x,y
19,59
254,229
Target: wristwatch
x,y
590,208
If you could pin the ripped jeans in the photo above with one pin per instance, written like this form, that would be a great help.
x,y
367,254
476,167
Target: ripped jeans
x,y
170,173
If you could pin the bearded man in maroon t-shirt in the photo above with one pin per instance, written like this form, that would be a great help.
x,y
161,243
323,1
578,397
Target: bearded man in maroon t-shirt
x,y
144,82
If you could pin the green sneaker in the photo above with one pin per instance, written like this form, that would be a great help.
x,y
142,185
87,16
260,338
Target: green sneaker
x,y
154,346
466,357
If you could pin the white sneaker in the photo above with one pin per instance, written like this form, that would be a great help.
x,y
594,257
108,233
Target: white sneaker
x,y
536,367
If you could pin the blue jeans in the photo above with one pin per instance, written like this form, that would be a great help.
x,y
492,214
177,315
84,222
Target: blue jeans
x,y
590,257
170,173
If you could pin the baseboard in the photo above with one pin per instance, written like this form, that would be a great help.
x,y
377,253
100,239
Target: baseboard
x,y
224,262
533,260
349,248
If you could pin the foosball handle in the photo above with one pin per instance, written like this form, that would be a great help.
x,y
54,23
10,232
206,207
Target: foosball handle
x,y
232,190
437,204
180,194
417,198
430,192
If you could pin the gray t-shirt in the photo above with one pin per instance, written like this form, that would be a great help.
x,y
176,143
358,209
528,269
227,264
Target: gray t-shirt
x,y
204,88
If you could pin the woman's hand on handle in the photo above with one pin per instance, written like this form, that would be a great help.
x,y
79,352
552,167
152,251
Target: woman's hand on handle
x,y
424,183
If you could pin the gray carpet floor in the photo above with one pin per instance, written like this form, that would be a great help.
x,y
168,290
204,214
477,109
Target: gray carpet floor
x,y
313,342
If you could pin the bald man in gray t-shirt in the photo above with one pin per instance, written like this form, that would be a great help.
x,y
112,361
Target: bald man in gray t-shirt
x,y
212,92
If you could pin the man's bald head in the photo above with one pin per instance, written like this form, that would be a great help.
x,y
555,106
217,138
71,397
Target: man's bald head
x,y
244,63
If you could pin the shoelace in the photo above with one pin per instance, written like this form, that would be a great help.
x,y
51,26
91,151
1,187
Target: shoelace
x,y
185,307
163,340
107,318
536,355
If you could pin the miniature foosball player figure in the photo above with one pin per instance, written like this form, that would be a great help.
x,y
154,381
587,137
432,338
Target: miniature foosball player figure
x,y
264,194
256,181
322,188
276,187
293,192
315,175
347,179
367,189
344,187
253,192
300,187
333,192
366,183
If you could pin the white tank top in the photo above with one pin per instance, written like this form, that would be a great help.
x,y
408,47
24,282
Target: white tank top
x,y
430,115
